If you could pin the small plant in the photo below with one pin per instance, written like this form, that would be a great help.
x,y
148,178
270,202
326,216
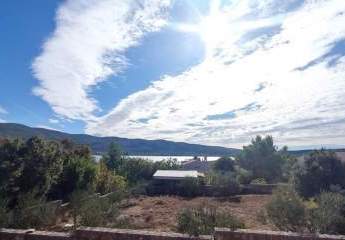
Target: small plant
x,y
98,212
286,210
204,218
32,211
76,203
329,214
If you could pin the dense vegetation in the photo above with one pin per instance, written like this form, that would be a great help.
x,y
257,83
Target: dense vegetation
x,y
36,171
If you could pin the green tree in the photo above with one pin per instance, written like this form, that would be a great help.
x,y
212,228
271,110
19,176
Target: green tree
x,y
263,159
136,170
42,165
11,167
224,164
319,171
113,158
107,181
35,164
169,164
78,171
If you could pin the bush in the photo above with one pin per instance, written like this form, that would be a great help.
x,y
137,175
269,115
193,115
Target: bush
x,y
32,212
189,187
320,170
78,174
203,219
107,181
329,215
136,170
286,210
243,176
224,164
76,204
223,184
97,212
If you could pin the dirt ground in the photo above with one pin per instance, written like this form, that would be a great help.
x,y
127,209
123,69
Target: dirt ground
x,y
159,213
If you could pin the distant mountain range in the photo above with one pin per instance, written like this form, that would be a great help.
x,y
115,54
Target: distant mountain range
x,y
131,146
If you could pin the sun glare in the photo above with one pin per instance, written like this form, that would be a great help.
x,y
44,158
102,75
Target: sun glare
x,y
212,30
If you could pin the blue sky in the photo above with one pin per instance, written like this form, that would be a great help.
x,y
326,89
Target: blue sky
x,y
211,72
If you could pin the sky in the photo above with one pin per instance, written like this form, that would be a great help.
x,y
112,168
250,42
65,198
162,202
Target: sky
x,y
200,71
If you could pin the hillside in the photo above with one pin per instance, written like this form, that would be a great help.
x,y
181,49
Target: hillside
x,y
130,146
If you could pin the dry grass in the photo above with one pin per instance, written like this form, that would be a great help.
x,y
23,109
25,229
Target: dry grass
x,y
159,213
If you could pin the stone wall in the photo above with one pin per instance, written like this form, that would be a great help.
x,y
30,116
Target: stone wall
x,y
30,234
247,234
121,234
95,234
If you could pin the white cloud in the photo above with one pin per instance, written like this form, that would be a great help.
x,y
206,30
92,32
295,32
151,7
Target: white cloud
x,y
53,121
47,127
2,120
276,80
87,46
3,110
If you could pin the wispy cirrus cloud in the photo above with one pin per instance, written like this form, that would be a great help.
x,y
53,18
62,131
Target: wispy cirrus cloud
x,y
284,61
271,67
87,46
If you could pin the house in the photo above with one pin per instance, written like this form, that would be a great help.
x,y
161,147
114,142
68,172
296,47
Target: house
x,y
176,174
169,181
197,164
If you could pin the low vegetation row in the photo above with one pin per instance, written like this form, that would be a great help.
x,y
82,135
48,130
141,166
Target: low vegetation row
x,y
35,172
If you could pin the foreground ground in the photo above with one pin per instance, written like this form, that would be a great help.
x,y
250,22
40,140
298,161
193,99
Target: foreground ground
x,y
159,213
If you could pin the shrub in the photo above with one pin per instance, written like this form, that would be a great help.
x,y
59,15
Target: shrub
x,y
243,176
140,189
136,170
286,210
107,181
78,174
97,212
224,164
223,184
204,218
76,204
32,211
329,215
320,170
189,187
